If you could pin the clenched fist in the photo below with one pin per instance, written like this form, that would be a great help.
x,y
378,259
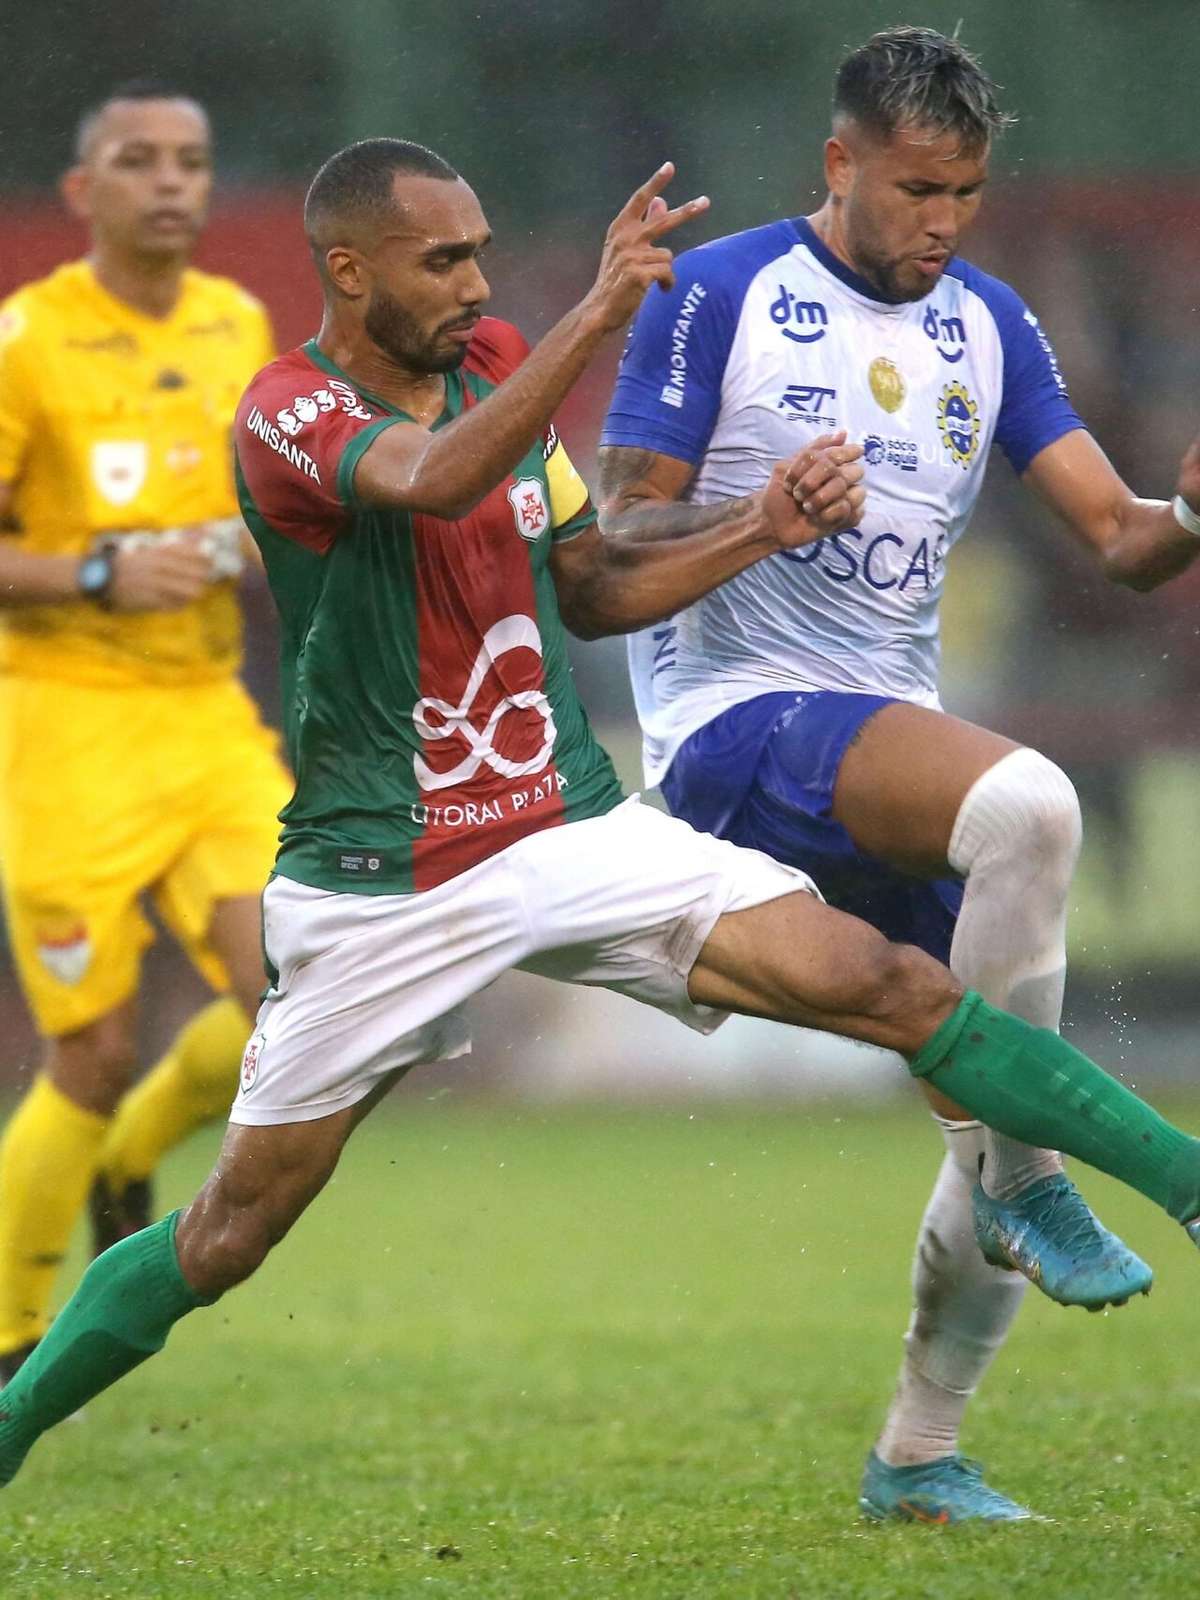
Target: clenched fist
x,y
818,492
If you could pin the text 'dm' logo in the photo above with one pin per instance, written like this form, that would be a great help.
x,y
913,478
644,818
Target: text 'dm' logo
x,y
802,321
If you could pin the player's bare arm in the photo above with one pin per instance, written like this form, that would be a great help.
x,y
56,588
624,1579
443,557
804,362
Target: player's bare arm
x,y
1140,543
157,578
653,555
448,472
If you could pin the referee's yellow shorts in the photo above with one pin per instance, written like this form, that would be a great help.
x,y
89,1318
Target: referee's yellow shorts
x,y
110,795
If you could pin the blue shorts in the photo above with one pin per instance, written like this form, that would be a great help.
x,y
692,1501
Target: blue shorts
x,y
762,774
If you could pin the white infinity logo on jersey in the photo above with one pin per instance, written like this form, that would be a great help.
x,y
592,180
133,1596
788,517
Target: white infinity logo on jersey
x,y
511,633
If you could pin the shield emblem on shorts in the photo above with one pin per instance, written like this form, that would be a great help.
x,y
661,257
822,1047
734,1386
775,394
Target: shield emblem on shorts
x,y
119,469
250,1061
65,953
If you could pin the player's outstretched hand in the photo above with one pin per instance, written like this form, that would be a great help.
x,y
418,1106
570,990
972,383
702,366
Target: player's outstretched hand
x,y
816,493
160,577
632,258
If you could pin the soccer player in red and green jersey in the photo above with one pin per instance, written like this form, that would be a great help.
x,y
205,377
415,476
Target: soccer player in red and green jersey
x,y
453,815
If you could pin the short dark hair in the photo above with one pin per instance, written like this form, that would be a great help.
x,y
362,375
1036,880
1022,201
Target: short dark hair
x,y
133,89
916,77
354,187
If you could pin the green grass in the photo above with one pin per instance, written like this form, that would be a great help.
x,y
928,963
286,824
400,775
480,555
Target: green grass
x,y
587,1354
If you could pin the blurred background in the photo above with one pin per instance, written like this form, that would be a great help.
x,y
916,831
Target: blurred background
x,y
554,112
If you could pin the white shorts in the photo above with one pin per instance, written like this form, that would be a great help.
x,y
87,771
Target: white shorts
x,y
371,983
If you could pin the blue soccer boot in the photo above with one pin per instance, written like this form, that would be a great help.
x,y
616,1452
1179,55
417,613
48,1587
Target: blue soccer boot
x,y
947,1491
1049,1234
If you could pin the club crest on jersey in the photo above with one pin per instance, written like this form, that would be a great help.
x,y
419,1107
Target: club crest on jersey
x,y
887,384
531,514
119,469
958,423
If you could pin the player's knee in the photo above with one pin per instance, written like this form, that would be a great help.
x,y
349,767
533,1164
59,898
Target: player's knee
x,y
1054,832
907,995
1024,810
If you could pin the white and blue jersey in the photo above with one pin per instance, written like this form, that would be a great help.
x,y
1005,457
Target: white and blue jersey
x,y
767,341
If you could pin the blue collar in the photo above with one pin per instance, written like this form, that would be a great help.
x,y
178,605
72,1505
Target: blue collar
x,y
834,264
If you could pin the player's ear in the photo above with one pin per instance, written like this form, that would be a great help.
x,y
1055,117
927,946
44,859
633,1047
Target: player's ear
x,y
839,167
346,270
73,186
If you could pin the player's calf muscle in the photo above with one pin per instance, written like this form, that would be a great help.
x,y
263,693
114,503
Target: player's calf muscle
x,y
796,960
220,1247
263,1182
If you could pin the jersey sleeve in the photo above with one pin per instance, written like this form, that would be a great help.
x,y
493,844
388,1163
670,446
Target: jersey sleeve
x,y
495,352
299,435
1035,408
19,403
668,390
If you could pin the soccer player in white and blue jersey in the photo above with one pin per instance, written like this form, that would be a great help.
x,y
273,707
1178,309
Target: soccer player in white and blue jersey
x,y
795,708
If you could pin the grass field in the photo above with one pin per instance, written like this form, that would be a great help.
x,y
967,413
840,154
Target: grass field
x,y
581,1354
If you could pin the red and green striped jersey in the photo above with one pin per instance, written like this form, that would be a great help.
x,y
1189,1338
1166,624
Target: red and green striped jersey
x,y
430,713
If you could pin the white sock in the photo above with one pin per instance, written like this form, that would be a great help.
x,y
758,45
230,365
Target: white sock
x,y
962,1310
1016,840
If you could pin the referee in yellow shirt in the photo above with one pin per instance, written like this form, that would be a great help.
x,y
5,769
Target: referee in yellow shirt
x,y
132,762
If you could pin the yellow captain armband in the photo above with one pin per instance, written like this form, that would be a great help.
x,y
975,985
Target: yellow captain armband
x,y
568,492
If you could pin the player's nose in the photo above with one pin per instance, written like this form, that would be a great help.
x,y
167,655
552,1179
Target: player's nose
x,y
940,220
474,289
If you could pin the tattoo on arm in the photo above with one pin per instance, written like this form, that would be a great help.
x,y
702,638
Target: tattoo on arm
x,y
638,507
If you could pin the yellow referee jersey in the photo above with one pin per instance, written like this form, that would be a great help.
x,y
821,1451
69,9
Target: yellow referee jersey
x,y
112,421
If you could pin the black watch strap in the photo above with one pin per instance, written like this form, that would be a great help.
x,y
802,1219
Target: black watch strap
x,y
94,575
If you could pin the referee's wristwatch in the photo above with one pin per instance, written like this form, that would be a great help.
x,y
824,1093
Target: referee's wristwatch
x,y
94,575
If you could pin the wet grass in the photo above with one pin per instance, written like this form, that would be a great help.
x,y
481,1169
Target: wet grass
x,y
580,1354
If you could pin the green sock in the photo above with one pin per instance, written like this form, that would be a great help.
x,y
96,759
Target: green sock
x,y
126,1303
1032,1085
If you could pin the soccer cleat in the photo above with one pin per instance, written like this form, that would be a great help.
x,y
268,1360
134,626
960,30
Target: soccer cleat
x,y
1049,1234
947,1491
116,1214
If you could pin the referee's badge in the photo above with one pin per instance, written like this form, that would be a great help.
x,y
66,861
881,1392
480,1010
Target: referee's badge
x,y
887,384
119,469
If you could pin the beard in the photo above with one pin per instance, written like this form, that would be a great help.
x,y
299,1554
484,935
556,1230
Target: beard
x,y
885,273
399,335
